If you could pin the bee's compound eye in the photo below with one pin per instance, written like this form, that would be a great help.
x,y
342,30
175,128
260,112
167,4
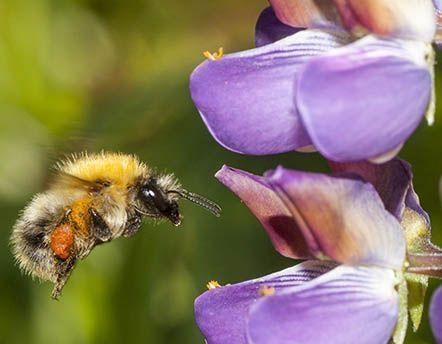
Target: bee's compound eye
x,y
62,240
154,197
152,194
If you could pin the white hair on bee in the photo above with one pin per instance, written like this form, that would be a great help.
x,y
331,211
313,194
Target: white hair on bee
x,y
168,182
30,237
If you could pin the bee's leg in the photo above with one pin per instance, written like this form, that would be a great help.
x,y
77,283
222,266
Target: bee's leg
x,y
133,225
100,228
64,269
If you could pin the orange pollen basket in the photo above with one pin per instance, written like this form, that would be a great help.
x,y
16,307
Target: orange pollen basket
x,y
62,240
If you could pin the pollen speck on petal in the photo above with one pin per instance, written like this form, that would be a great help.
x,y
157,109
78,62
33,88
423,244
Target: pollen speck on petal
x,y
266,290
214,56
213,285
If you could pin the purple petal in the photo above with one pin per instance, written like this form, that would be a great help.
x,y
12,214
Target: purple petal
x,y
346,305
307,214
392,180
307,13
221,313
394,183
365,99
343,219
247,99
412,202
410,19
436,315
269,29
270,210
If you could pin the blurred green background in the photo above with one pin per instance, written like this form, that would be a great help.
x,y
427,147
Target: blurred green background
x,y
113,75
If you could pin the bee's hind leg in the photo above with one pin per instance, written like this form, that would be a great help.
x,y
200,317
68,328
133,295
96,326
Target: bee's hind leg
x,y
100,229
64,269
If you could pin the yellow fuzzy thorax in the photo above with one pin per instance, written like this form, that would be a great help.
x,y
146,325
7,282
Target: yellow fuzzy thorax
x,y
119,169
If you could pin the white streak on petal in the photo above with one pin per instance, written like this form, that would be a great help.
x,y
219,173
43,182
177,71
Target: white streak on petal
x,y
386,156
307,149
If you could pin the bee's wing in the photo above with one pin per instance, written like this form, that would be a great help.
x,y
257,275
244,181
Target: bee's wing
x,y
68,181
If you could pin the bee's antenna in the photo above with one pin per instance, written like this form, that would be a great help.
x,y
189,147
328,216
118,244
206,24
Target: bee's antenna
x,y
203,202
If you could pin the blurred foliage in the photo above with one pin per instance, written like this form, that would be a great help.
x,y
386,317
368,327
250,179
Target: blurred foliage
x,y
113,75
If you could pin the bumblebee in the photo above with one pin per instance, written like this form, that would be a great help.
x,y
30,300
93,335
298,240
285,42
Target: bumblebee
x,y
93,199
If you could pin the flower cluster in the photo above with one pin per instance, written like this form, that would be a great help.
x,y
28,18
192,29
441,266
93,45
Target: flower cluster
x,y
366,242
350,98
351,79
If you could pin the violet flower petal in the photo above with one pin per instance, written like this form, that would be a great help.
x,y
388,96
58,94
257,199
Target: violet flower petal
x,y
346,305
394,183
438,36
307,214
412,202
270,210
341,218
436,315
392,180
363,100
221,313
410,19
307,13
269,29
247,99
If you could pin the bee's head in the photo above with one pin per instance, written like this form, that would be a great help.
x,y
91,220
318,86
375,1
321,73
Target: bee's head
x,y
157,201
158,198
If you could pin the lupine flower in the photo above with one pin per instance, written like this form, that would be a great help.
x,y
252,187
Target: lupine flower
x,y
318,86
357,230
436,315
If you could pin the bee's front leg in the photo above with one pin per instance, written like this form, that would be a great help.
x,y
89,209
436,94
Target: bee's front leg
x,y
133,225
100,230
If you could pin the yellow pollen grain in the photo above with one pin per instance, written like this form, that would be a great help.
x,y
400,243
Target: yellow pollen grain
x,y
213,285
266,291
214,56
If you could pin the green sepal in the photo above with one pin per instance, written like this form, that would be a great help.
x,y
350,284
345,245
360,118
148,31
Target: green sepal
x,y
402,322
417,286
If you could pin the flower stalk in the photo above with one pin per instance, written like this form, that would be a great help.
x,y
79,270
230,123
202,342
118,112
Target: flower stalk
x,y
429,264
